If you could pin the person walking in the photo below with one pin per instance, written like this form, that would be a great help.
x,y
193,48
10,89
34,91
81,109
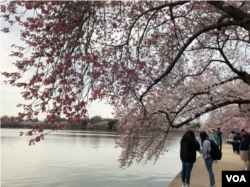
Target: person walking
x,y
219,134
206,148
244,147
189,146
213,137
236,143
231,140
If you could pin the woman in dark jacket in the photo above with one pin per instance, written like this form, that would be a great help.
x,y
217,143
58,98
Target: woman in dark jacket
x,y
189,146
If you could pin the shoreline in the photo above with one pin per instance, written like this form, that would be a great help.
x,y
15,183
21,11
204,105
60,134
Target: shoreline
x,y
199,175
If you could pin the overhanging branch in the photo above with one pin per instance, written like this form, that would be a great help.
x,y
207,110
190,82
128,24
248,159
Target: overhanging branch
x,y
209,109
233,12
183,48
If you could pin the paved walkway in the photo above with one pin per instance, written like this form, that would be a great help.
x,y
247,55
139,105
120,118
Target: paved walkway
x,y
199,175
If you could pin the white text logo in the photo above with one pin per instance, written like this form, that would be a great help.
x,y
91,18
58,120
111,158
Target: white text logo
x,y
235,178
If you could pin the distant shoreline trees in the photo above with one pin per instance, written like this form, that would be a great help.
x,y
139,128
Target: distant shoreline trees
x,y
96,122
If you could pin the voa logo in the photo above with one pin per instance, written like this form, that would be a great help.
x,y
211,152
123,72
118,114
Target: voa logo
x,y
235,178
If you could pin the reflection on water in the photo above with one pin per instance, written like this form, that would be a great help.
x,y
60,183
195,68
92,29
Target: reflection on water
x,y
79,158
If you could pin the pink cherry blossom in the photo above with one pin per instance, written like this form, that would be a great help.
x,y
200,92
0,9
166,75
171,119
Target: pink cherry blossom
x,y
230,118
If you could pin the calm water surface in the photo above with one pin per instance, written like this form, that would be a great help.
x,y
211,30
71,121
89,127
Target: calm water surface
x,y
79,158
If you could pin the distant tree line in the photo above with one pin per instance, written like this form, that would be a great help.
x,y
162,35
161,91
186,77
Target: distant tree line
x,y
96,122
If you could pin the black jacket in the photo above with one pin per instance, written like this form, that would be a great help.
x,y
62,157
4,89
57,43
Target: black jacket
x,y
245,142
188,151
236,138
219,134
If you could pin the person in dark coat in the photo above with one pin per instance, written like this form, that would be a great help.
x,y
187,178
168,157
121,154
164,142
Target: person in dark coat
x,y
219,134
244,147
236,143
189,146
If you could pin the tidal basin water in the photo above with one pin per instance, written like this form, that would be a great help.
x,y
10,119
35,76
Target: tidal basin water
x,y
80,159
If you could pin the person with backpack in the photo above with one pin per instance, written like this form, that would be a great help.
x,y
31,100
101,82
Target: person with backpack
x,y
210,152
189,146
214,138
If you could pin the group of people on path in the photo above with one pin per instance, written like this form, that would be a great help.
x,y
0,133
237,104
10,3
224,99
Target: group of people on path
x,y
189,147
210,148
240,141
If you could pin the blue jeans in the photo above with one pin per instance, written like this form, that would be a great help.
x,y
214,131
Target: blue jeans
x,y
209,164
186,172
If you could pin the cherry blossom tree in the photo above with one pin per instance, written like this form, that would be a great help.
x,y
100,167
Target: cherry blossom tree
x,y
228,118
160,64
89,126
101,125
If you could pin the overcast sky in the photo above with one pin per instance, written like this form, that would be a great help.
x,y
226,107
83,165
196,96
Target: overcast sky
x,y
10,96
